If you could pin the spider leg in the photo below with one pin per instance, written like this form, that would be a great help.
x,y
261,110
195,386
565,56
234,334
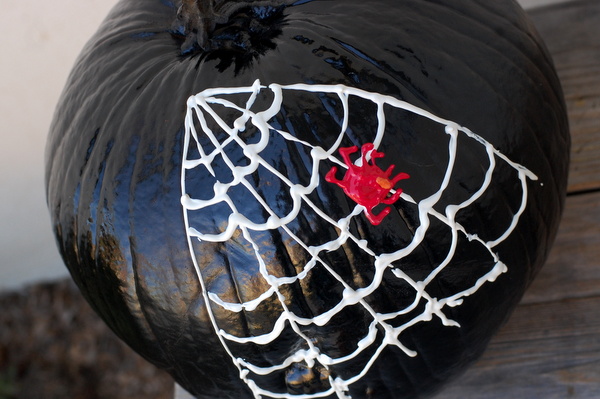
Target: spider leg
x,y
345,153
393,198
400,176
366,148
330,177
369,150
377,154
388,171
376,219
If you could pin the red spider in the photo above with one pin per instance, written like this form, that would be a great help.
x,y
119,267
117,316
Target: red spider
x,y
367,184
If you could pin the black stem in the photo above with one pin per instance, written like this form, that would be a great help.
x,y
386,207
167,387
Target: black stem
x,y
198,18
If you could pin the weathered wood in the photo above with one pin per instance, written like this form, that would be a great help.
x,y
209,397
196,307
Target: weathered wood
x,y
547,350
572,34
573,268
550,348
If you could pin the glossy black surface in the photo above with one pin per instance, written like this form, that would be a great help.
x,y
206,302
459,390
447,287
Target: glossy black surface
x,y
114,162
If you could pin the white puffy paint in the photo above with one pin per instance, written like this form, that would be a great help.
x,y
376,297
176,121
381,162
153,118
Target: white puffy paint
x,y
201,105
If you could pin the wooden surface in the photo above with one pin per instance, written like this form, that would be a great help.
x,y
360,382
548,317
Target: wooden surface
x,y
550,348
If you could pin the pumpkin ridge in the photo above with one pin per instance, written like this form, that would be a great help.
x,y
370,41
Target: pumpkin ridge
x,y
534,39
299,296
236,289
513,45
490,85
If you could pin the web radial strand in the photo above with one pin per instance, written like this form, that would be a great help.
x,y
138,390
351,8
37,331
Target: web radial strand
x,y
203,106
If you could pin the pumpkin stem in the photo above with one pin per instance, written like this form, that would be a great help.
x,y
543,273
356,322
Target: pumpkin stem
x,y
197,19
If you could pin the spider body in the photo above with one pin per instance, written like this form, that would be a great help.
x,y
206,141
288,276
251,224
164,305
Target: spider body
x,y
366,183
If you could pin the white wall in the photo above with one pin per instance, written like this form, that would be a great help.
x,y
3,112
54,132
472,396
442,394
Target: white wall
x,y
39,41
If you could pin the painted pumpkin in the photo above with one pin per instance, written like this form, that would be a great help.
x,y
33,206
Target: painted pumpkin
x,y
308,199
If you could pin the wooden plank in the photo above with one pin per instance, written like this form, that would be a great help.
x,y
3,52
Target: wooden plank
x,y
548,350
573,267
572,34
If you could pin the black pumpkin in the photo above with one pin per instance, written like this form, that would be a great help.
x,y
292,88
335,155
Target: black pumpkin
x,y
280,307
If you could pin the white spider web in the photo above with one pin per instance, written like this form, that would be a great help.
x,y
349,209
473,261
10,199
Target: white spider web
x,y
201,108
